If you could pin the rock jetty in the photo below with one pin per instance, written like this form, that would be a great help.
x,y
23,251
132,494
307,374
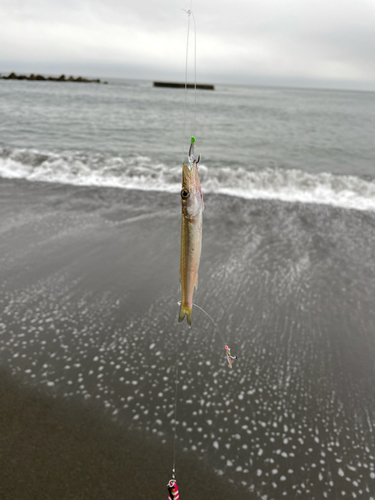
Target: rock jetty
x,y
13,76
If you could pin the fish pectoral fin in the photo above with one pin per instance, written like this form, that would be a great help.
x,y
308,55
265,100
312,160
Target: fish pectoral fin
x,y
185,311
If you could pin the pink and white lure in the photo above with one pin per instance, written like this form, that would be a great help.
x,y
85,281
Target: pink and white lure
x,y
229,357
173,493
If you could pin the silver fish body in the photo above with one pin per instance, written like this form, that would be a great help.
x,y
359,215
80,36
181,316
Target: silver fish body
x,y
191,237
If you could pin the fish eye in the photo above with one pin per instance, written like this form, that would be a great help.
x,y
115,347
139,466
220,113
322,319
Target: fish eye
x,y
185,194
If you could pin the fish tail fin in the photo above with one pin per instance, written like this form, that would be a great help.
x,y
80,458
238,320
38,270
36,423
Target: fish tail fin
x,y
185,311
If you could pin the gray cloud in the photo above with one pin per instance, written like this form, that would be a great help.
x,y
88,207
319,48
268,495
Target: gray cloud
x,y
294,42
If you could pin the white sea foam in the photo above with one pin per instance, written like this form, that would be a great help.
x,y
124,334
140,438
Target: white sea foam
x,y
84,169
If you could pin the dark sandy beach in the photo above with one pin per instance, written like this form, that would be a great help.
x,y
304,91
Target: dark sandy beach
x,y
88,336
52,447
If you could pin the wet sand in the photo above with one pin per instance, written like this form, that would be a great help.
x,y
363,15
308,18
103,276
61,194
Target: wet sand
x,y
54,449
56,446
89,335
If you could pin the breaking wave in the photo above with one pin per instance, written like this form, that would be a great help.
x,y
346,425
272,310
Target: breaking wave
x,y
95,169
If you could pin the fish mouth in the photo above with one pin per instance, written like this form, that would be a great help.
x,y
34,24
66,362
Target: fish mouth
x,y
188,172
187,169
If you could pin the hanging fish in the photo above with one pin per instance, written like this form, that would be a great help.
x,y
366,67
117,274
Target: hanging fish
x,y
229,357
191,233
173,490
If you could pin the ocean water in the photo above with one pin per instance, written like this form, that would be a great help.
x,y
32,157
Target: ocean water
x,y
89,275
270,143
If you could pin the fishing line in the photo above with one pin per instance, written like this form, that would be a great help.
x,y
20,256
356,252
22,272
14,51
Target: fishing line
x,y
195,74
190,13
175,413
186,67
217,328
206,313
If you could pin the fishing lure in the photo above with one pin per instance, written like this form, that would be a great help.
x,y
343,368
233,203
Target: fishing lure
x,y
229,356
173,490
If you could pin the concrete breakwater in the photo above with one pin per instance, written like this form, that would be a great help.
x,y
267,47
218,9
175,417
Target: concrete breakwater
x,y
182,85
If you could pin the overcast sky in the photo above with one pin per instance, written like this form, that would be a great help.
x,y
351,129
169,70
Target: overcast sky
x,y
308,43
